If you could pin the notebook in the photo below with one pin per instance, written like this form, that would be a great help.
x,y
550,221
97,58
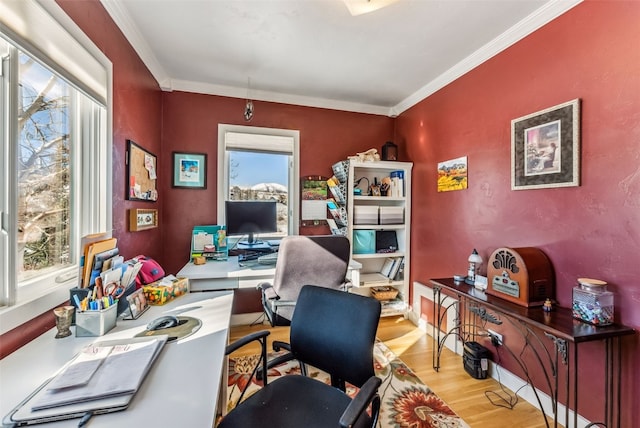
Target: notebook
x,y
69,407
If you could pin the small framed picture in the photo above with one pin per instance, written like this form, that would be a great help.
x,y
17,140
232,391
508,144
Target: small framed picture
x,y
137,304
142,219
190,170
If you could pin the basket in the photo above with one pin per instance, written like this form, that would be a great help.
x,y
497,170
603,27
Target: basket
x,y
384,293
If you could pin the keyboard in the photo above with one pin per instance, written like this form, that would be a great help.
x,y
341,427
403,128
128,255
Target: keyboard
x,y
268,259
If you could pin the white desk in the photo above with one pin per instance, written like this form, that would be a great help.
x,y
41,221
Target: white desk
x,y
180,390
229,275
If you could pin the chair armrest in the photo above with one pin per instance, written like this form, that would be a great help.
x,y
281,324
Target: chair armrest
x,y
367,394
258,335
278,345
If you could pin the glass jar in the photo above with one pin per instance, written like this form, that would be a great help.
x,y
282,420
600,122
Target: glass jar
x,y
592,302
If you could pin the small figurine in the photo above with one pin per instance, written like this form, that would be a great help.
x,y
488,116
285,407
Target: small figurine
x,y
547,306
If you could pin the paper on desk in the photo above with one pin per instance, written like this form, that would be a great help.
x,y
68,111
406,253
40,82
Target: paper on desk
x,y
121,372
80,371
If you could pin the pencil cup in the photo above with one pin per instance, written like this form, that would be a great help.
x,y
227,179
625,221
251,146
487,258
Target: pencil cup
x,y
63,314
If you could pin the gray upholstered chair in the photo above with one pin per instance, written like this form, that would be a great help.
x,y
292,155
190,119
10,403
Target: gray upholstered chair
x,y
320,260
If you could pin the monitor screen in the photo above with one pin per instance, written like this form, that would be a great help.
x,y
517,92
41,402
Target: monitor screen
x,y
251,217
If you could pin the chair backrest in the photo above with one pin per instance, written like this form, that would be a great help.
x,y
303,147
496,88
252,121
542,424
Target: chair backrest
x,y
335,331
320,260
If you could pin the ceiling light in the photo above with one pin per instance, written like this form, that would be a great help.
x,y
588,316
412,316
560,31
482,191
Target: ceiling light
x,y
358,7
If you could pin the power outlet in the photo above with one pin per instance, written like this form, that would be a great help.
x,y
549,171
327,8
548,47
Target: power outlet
x,y
496,338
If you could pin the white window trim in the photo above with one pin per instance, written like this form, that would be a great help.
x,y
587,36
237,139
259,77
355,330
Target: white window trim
x,y
54,21
294,170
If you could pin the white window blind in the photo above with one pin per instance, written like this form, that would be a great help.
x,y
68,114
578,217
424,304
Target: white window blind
x,y
265,143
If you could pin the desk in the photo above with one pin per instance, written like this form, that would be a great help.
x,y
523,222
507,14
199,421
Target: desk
x,y
564,333
229,275
180,390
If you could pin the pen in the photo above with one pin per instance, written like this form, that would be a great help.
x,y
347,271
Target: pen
x,y
85,419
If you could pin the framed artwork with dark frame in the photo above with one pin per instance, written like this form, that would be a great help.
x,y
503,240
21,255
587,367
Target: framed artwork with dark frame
x,y
190,170
545,148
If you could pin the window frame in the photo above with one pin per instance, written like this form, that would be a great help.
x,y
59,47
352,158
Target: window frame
x,y
90,72
293,173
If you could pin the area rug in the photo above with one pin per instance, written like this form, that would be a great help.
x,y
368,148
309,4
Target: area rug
x,y
406,402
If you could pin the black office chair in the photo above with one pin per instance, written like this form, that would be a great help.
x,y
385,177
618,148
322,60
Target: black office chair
x,y
320,260
333,331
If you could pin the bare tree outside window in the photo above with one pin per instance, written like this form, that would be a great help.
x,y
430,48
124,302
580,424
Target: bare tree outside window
x,y
44,171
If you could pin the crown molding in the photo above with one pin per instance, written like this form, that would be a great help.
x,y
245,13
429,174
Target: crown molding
x,y
545,14
123,20
276,97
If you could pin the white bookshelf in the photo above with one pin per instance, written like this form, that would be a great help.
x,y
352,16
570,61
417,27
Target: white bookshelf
x,y
372,263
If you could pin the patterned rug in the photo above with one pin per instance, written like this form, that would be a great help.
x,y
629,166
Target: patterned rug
x,y
406,402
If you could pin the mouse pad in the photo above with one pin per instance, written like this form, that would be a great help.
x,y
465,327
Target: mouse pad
x,y
187,326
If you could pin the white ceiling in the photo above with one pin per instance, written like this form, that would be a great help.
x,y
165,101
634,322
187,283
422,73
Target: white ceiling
x,y
315,53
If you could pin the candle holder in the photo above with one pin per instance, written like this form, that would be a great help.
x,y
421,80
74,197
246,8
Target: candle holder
x,y
64,315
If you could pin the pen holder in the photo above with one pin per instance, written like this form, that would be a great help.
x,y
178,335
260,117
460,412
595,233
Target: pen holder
x,y
96,323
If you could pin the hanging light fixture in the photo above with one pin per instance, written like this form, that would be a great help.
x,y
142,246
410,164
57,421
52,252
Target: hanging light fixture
x,y
359,7
248,107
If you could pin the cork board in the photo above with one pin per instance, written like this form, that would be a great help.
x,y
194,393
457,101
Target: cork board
x,y
141,171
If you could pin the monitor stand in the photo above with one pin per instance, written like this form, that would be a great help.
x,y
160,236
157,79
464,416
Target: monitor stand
x,y
253,244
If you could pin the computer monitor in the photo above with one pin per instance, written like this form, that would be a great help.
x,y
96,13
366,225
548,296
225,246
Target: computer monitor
x,y
251,217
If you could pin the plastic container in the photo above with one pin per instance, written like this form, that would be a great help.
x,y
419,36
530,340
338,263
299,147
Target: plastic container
x,y
592,302
96,323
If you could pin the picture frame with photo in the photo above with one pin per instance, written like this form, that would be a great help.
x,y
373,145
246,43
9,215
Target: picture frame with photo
x,y
138,305
189,170
545,148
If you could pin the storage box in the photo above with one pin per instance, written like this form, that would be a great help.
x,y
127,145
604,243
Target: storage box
x,y
364,241
365,214
96,323
391,215
158,294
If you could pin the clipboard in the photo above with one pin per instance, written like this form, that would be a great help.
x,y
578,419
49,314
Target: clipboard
x,y
92,250
23,415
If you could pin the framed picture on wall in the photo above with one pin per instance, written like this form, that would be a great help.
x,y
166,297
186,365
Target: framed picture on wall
x,y
545,148
190,170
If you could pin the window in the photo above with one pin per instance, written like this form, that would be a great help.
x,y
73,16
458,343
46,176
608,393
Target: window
x,y
260,164
55,158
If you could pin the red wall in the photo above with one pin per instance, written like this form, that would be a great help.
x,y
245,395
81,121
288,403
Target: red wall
x,y
593,53
190,124
137,115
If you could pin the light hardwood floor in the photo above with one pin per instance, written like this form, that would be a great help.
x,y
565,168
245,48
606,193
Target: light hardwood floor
x,y
464,394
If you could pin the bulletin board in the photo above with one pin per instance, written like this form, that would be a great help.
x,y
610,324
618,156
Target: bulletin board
x,y
141,173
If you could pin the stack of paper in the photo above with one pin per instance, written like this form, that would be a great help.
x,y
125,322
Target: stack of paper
x,y
99,371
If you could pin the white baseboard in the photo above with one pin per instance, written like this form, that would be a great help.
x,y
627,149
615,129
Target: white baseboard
x,y
498,373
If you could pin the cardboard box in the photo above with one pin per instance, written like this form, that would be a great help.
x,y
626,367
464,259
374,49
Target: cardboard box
x,y
391,215
158,294
96,323
365,214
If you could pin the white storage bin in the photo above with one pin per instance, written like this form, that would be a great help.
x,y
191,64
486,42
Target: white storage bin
x,y
365,214
391,215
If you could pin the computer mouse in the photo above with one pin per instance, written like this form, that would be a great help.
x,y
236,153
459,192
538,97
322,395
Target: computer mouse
x,y
163,322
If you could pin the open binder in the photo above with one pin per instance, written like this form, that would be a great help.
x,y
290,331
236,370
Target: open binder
x,y
103,378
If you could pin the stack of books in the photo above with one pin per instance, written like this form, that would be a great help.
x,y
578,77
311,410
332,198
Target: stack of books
x,y
387,274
